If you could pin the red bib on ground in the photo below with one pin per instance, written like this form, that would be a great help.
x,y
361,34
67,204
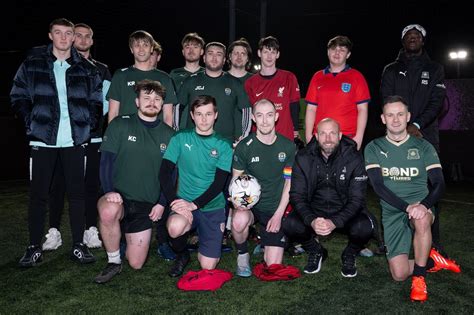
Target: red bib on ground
x,y
276,272
204,280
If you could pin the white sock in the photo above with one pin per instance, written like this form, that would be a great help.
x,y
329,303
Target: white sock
x,y
114,257
228,225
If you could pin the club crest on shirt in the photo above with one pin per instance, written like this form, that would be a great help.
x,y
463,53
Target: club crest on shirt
x,y
425,75
280,91
162,147
413,154
282,156
213,153
227,91
345,87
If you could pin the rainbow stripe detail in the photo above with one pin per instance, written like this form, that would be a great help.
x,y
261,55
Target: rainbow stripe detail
x,y
287,172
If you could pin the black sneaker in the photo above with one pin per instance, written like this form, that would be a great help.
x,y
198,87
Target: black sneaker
x,y
380,250
349,269
32,256
179,264
108,273
193,247
315,261
82,254
295,250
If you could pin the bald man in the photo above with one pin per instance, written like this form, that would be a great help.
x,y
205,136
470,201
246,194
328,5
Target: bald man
x,y
328,193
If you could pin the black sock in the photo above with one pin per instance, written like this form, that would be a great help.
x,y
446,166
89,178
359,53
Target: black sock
x,y
242,248
430,263
179,244
419,271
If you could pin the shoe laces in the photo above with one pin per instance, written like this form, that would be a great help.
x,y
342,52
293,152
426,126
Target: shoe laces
x,y
110,267
349,261
418,282
314,257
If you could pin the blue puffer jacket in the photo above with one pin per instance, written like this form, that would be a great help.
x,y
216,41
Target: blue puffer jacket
x,y
34,96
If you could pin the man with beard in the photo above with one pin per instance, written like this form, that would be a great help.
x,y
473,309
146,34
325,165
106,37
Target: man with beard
x,y
268,156
238,57
420,81
132,152
328,191
232,102
193,49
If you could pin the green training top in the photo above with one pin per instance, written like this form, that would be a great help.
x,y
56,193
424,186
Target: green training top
x,y
180,74
139,151
231,101
270,164
404,166
123,84
197,158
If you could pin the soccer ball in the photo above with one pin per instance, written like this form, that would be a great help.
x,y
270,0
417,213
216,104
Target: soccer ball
x,y
244,190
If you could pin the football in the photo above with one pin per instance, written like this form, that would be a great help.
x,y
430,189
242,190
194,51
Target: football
x,y
244,190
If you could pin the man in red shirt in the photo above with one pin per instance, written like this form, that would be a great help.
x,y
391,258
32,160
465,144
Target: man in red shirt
x,y
338,92
279,86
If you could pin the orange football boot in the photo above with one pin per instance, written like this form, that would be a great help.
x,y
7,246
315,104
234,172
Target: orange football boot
x,y
418,289
443,263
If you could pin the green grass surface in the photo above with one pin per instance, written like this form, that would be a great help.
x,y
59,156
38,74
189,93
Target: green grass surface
x,y
59,285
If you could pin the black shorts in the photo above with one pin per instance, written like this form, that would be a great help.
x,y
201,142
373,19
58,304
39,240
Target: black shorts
x,y
136,216
268,238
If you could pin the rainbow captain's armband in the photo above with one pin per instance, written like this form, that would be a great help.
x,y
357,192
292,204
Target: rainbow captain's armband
x,y
287,172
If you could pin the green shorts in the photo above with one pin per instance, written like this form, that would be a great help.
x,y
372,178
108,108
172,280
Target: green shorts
x,y
397,232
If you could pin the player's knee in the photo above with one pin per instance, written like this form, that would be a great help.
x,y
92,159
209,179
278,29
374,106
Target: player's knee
x,y
399,275
108,215
423,225
209,264
240,222
136,264
239,226
174,230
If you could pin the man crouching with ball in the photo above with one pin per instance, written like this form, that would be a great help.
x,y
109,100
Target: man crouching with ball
x,y
269,157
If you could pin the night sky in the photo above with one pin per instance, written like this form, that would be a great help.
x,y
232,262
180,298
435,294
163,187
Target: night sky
x,y
302,26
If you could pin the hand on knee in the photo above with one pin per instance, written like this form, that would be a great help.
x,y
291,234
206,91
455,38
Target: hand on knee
x,y
423,225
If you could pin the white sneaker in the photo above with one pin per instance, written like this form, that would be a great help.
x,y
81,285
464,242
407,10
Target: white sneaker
x,y
243,265
91,238
53,240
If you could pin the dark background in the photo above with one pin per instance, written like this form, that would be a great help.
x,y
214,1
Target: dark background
x,y
303,28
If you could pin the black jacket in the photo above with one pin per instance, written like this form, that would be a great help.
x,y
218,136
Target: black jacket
x,y
351,182
105,76
34,96
420,81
